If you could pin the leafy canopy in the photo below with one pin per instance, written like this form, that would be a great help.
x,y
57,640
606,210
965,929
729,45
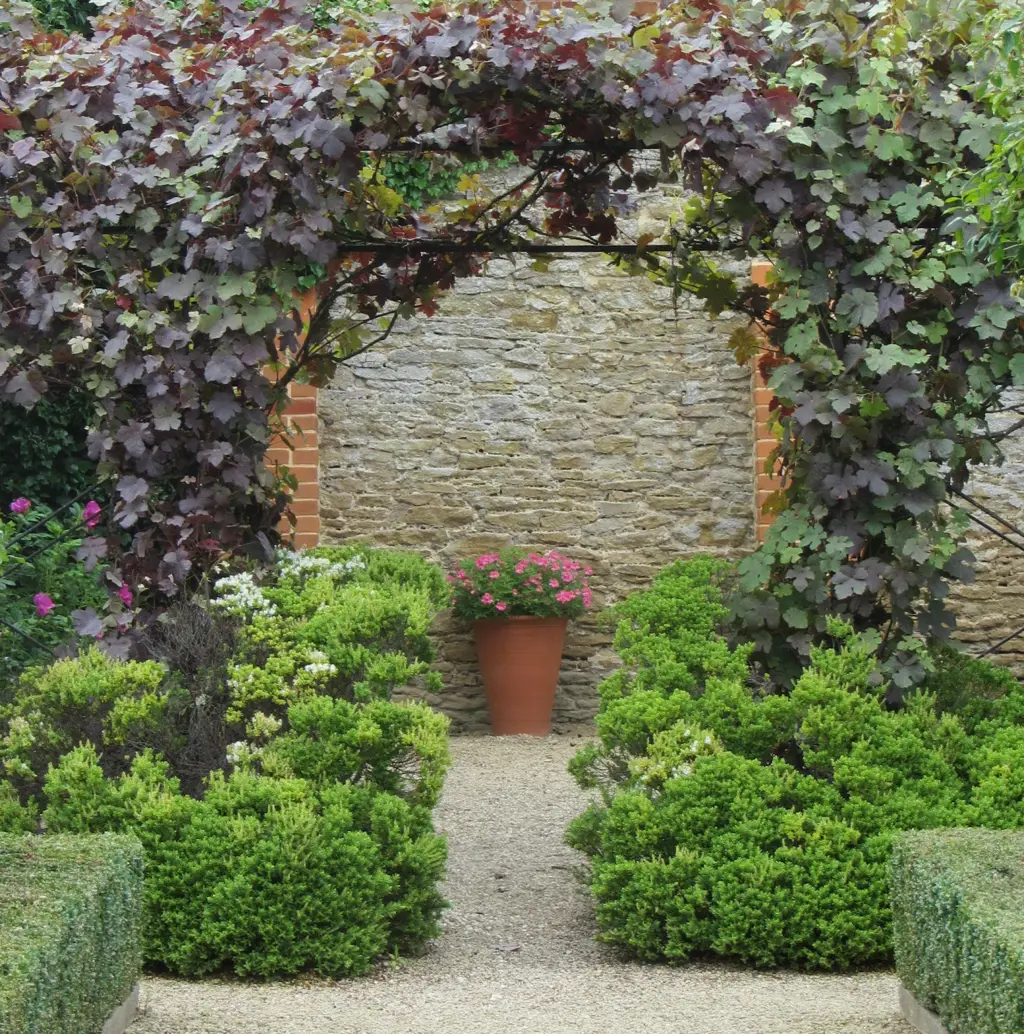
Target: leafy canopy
x,y
173,182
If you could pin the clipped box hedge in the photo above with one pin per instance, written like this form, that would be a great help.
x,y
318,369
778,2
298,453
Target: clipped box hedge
x,y
70,931
958,910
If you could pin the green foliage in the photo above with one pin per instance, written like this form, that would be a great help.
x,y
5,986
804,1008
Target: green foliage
x,y
421,181
958,911
841,139
265,875
44,455
284,802
997,189
754,825
43,582
341,621
90,698
65,15
70,931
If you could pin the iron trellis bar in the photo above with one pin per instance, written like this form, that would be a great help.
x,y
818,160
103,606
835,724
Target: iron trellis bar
x,y
24,635
441,248
991,513
62,537
1002,642
1002,535
42,523
485,150
988,527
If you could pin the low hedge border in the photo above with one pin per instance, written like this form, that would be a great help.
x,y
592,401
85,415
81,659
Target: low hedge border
x,y
958,912
70,931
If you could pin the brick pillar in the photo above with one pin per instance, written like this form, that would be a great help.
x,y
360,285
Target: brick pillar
x,y
300,453
764,441
299,450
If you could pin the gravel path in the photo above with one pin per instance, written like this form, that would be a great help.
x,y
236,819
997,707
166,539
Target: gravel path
x,y
518,954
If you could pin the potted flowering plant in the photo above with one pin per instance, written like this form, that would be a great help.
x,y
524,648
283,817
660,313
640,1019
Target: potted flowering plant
x,y
520,604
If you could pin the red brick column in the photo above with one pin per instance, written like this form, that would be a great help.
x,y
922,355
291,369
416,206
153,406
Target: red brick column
x,y
300,453
298,449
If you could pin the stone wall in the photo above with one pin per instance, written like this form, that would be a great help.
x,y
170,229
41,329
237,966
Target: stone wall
x,y
574,409
993,607
569,409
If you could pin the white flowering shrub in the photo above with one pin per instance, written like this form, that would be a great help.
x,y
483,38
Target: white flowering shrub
x,y
344,622
673,753
316,773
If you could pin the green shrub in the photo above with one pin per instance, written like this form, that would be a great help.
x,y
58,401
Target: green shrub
x,y
958,910
70,931
93,698
758,826
284,802
346,622
266,875
41,583
44,455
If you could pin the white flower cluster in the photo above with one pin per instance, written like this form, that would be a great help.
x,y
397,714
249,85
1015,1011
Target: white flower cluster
x,y
262,726
319,663
239,594
19,732
302,566
672,755
241,754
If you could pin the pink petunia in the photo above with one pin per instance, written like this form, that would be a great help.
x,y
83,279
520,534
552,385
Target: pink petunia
x,y
495,574
43,604
588,571
460,573
91,513
125,595
566,596
21,505
586,597
487,598
553,583
500,606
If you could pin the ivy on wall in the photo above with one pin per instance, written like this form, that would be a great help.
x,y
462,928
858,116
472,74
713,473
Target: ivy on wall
x,y
169,182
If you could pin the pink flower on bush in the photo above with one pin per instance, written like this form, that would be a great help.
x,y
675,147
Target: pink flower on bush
x,y
21,505
553,583
125,595
565,596
43,603
495,574
500,606
487,598
91,513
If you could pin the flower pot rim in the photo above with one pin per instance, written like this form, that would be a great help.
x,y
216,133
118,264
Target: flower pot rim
x,y
502,619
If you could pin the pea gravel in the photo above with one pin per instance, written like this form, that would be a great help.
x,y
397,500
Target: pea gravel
x,y
518,954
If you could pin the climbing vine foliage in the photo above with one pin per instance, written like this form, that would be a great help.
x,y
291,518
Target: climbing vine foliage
x,y
174,183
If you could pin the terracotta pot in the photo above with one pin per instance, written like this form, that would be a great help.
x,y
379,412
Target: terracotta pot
x,y
519,661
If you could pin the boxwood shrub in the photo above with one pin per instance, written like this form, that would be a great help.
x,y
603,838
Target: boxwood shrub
x,y
70,931
283,800
958,911
758,826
